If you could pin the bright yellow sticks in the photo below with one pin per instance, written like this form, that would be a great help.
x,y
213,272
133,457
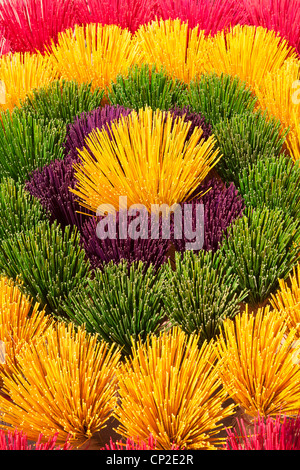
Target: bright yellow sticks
x,y
293,137
170,388
260,368
21,73
171,44
249,52
287,300
279,94
64,382
93,53
147,160
20,322
288,293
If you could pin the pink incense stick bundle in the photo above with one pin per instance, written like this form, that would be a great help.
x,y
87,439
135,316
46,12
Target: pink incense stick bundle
x,y
128,14
29,25
282,16
279,433
211,16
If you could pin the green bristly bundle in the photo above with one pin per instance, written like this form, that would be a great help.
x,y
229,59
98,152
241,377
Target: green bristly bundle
x,y
19,211
201,292
62,100
244,139
47,262
119,303
219,97
262,247
143,86
27,143
272,182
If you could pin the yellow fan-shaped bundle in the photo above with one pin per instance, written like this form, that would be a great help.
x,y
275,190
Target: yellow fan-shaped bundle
x,y
170,388
248,52
64,382
93,53
293,137
20,322
147,161
20,74
279,94
182,51
287,300
259,368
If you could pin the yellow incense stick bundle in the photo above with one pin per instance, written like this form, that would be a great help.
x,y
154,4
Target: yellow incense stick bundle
x,y
170,388
249,52
182,51
259,368
20,73
279,94
64,382
148,160
21,321
93,53
287,299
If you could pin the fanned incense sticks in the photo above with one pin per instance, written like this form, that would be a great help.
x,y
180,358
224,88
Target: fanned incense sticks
x,y
21,321
279,433
219,97
100,252
28,144
51,184
5,46
282,16
62,100
31,24
19,211
261,247
128,14
21,73
244,139
48,262
222,205
239,52
196,119
134,444
17,440
149,187
200,293
207,15
259,369
145,161
143,86
65,382
93,53
273,183
122,303
286,300
288,295
278,93
171,388
85,122
182,51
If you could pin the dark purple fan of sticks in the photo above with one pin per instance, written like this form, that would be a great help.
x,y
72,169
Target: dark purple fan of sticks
x,y
145,248
51,184
222,206
196,119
